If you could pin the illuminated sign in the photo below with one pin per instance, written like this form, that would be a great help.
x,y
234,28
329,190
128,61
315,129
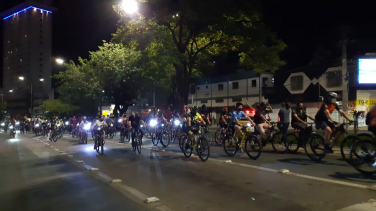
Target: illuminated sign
x,y
24,10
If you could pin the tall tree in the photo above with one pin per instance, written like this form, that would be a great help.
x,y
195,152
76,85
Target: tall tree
x,y
191,32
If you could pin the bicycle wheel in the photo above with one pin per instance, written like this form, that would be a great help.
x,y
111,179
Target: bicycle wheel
x,y
363,157
111,133
154,139
187,147
209,138
230,146
138,143
279,142
292,143
122,136
346,144
181,141
165,141
85,138
315,143
203,148
217,137
252,147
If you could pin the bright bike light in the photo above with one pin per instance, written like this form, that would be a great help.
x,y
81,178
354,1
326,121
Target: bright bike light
x,y
78,124
17,123
36,125
87,126
162,125
99,128
58,125
248,124
11,127
119,120
2,124
111,125
153,122
177,122
66,123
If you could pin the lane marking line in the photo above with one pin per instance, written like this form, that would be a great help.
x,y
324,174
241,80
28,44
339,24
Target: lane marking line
x,y
151,199
115,180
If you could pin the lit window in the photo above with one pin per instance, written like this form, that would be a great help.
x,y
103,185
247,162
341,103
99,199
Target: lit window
x,y
25,35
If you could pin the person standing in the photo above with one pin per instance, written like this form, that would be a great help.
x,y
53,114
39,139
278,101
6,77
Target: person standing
x,y
284,117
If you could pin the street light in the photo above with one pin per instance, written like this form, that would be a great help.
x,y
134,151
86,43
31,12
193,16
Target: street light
x,y
21,78
59,61
129,6
41,79
11,90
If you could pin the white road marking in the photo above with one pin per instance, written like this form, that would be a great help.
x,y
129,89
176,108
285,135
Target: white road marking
x,y
151,199
283,171
115,180
365,206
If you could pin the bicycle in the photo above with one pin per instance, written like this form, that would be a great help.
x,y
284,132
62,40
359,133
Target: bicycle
x,y
363,156
316,142
99,142
221,134
298,139
275,137
160,135
251,143
138,141
198,143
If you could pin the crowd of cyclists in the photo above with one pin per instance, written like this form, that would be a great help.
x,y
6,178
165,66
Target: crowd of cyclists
x,y
190,126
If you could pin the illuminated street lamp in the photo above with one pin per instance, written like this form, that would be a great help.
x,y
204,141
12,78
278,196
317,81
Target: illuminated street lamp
x,y
129,6
11,90
41,79
59,61
21,78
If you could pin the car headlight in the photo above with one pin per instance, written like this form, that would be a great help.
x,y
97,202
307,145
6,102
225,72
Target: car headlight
x,y
119,120
153,122
66,123
177,122
87,126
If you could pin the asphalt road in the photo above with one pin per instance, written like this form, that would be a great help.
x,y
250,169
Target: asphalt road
x,y
182,184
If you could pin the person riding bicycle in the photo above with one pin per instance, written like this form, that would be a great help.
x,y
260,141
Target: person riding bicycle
x,y
371,120
299,118
194,120
204,114
134,125
74,121
82,124
161,119
324,120
236,116
100,123
51,126
225,118
260,118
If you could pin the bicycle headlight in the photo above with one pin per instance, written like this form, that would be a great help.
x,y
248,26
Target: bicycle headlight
x,y
99,128
78,124
162,125
87,126
66,123
111,125
177,122
2,124
119,120
36,125
17,123
153,122
11,127
58,125
249,125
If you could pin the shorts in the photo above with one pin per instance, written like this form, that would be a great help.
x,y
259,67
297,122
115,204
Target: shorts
x,y
323,124
373,130
299,125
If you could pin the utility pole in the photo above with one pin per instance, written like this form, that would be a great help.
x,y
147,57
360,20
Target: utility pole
x,y
345,91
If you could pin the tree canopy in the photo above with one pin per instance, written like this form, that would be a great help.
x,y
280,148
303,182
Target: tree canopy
x,y
56,108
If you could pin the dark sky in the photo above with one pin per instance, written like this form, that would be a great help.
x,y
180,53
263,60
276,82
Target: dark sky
x,y
80,26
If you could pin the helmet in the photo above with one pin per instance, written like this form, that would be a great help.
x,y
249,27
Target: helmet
x,y
225,108
194,108
331,95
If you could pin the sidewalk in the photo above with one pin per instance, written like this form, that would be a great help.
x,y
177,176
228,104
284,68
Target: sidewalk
x,y
36,180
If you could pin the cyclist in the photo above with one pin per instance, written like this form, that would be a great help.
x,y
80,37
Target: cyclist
x,y
261,120
99,123
134,125
284,117
124,126
51,126
204,115
324,120
82,124
299,118
225,118
74,121
161,119
236,116
371,120
193,119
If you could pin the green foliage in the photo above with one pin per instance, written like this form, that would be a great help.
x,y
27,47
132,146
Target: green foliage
x,y
57,108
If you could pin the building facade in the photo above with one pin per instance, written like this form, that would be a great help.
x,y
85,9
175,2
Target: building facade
x,y
27,57
226,90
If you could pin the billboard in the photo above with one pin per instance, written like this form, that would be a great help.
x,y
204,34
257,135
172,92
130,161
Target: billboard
x,y
367,71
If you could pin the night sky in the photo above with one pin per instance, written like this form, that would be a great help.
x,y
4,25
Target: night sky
x,y
306,26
